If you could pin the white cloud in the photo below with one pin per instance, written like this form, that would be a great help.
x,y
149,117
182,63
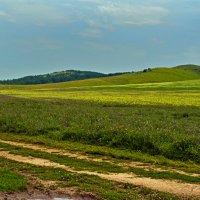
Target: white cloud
x,y
128,14
95,13
37,12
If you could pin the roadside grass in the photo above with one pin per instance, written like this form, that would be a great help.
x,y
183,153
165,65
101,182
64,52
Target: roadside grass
x,y
10,181
101,188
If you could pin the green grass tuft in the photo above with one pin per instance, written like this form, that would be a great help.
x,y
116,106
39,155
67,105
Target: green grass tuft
x,y
11,182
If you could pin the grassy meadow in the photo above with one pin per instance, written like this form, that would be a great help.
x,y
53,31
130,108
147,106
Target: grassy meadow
x,y
155,121
152,120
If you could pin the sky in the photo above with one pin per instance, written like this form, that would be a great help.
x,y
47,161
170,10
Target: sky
x,y
42,36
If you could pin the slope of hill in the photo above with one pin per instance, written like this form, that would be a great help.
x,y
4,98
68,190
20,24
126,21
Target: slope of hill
x,y
189,67
75,78
56,77
156,75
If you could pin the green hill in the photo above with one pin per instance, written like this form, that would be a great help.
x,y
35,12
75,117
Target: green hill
x,y
56,77
73,78
156,75
189,67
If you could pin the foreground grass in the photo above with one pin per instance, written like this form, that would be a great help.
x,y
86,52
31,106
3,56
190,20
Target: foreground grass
x,y
10,181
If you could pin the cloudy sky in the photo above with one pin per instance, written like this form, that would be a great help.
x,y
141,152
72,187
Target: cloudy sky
x,y
41,36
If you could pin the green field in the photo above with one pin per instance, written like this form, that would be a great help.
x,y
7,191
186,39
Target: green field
x,y
151,117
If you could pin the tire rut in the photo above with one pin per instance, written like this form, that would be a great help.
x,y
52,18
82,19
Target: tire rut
x,y
80,156
169,186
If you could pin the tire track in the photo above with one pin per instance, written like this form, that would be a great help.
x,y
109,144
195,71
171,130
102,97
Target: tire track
x,y
169,186
80,156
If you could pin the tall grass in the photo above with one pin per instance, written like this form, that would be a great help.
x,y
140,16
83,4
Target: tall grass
x,y
158,130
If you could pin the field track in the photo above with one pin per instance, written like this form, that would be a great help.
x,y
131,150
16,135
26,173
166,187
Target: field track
x,y
169,186
89,158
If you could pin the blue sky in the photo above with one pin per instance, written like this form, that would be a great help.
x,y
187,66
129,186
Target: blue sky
x,y
41,36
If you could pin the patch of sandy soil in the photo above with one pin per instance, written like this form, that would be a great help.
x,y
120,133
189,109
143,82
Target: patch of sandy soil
x,y
169,186
134,164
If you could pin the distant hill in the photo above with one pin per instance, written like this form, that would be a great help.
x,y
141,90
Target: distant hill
x,y
75,78
189,67
156,75
56,77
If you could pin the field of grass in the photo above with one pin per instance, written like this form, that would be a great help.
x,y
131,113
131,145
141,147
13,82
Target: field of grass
x,y
175,94
159,123
147,122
